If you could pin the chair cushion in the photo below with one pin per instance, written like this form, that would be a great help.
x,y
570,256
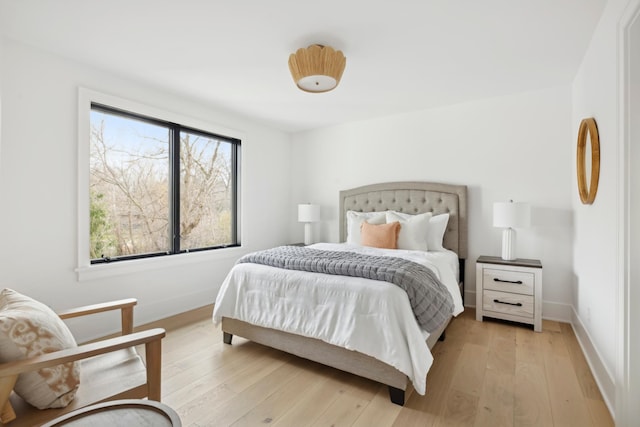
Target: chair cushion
x,y
29,328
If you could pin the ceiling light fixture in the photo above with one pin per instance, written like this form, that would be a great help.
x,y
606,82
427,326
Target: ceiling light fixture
x,y
317,68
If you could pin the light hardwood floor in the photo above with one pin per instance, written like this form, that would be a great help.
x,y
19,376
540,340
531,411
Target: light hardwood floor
x,y
484,374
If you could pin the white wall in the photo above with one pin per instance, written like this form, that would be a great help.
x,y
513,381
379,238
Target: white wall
x,y
514,147
38,191
1,62
628,385
596,250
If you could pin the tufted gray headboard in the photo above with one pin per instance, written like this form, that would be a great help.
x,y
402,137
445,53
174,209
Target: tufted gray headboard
x,y
412,198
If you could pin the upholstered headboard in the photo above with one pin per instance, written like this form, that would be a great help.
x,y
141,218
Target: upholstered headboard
x,y
412,198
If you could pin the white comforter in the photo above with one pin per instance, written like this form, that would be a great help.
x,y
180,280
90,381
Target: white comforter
x,y
368,316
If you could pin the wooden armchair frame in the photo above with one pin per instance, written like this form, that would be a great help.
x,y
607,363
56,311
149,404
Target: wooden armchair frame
x,y
152,340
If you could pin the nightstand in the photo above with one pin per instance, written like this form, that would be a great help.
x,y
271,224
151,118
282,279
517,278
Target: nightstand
x,y
509,290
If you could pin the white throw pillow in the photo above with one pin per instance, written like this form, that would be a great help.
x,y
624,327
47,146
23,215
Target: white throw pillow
x,y
355,220
414,230
29,328
437,227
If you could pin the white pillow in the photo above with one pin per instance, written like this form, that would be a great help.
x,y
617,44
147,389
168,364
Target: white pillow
x,y
414,230
437,227
435,234
355,220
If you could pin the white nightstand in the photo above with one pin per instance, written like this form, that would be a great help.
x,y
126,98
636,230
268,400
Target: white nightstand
x,y
509,290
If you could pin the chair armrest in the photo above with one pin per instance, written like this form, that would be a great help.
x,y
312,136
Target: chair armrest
x,y
97,308
81,352
124,305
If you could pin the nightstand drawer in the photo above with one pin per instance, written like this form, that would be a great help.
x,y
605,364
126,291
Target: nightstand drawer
x,y
519,282
508,303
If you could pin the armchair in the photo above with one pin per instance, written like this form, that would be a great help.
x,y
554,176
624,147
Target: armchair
x,y
111,369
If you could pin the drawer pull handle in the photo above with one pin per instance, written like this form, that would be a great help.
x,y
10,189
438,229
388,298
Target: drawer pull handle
x,y
517,304
517,282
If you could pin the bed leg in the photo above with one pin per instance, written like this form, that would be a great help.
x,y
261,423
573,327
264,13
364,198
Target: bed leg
x,y
227,337
443,336
396,395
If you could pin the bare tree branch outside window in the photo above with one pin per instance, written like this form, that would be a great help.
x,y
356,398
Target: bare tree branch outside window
x,y
130,188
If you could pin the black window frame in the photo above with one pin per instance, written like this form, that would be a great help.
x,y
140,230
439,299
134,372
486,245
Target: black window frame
x,y
174,178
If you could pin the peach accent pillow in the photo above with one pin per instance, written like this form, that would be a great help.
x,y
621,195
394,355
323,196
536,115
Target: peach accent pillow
x,y
380,235
29,328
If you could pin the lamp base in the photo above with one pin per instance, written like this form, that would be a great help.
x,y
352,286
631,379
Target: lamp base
x,y
508,244
307,234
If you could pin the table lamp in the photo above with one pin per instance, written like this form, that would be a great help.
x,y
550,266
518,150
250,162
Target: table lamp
x,y
510,215
308,214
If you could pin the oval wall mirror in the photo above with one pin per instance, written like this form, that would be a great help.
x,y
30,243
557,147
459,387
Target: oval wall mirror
x,y
588,168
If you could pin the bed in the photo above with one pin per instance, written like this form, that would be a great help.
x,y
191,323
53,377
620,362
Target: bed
x,y
326,343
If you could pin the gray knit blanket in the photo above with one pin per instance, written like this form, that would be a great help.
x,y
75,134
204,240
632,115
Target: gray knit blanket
x,y
429,298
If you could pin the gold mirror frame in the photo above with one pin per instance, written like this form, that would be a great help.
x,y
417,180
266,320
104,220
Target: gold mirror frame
x,y
588,128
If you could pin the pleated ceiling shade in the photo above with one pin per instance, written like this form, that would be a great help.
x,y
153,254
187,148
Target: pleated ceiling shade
x,y
317,68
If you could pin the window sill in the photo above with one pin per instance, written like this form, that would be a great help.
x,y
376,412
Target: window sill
x,y
117,268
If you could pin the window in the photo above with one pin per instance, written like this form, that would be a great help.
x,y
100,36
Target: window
x,y
157,187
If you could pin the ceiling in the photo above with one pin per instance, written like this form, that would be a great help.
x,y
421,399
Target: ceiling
x,y
402,55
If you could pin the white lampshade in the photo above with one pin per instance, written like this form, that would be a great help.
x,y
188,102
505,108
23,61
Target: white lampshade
x,y
511,214
308,213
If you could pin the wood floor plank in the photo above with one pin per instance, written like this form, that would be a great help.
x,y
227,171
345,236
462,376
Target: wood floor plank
x,y
343,411
531,397
424,411
484,374
191,411
551,325
495,407
234,372
528,348
278,404
213,391
313,402
380,412
183,373
460,409
255,372
502,349
552,343
478,332
599,413
568,407
470,369
588,384
226,411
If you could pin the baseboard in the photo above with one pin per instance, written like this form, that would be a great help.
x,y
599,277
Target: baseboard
x,y
179,320
169,323
556,311
469,298
600,373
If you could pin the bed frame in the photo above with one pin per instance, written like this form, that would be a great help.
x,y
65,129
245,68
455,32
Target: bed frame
x,y
407,197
